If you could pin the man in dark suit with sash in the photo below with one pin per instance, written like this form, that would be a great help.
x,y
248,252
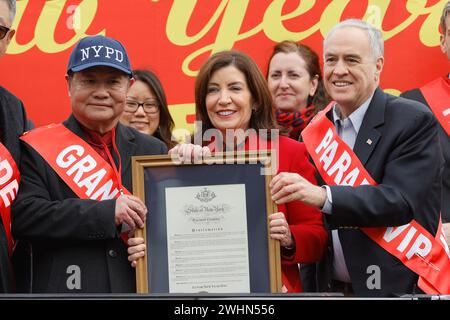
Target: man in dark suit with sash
x,y
12,125
378,155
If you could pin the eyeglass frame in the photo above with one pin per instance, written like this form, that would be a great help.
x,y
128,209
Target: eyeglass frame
x,y
6,32
142,104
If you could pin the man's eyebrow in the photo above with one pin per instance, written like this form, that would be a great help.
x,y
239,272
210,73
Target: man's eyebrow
x,y
352,55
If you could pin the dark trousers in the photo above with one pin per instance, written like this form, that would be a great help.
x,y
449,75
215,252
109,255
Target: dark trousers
x,y
344,287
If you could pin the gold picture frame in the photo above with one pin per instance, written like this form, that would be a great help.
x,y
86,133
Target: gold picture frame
x,y
242,166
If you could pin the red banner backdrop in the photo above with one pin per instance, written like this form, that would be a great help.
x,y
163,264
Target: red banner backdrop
x,y
174,37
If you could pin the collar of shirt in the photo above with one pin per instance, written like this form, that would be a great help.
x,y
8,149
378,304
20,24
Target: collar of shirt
x,y
95,138
355,118
98,141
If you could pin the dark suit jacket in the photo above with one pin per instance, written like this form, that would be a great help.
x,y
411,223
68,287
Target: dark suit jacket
x,y
58,232
444,139
12,125
404,160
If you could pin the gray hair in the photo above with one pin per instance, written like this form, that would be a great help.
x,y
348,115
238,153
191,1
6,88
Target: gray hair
x,y
12,8
375,36
445,14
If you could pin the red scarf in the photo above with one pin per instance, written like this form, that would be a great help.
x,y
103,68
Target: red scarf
x,y
295,121
98,142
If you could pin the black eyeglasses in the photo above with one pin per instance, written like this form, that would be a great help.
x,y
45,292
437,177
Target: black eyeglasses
x,y
3,31
149,107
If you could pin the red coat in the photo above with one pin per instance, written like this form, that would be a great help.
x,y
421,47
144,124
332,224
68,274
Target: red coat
x,y
305,222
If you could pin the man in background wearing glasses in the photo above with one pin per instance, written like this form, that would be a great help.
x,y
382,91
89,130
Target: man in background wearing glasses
x,y
12,125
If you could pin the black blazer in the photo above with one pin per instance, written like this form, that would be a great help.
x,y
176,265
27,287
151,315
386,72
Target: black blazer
x,y
12,125
444,139
58,232
404,160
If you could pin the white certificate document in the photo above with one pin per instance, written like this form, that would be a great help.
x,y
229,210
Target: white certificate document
x,y
207,239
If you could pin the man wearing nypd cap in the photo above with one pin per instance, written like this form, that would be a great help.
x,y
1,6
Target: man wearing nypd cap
x,y
69,222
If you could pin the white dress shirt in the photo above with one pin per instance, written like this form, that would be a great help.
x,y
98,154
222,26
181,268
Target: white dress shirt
x,y
347,129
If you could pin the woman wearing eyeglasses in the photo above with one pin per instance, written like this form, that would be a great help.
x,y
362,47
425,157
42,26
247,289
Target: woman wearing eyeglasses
x,y
146,107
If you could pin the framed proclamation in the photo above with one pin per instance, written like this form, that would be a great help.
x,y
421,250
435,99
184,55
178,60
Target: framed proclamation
x,y
207,225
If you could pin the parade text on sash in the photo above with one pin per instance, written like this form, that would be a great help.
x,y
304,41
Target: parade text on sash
x,y
412,244
9,185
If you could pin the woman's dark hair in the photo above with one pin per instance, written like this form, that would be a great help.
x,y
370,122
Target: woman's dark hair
x,y
166,123
262,115
320,98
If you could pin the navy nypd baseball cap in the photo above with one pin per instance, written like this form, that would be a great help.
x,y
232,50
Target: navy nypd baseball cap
x,y
97,51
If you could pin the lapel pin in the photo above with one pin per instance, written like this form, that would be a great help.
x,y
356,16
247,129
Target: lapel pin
x,y
369,142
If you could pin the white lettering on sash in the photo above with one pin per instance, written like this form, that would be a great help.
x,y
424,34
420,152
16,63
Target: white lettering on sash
x,y
6,171
328,155
65,159
92,181
85,164
421,245
7,193
405,242
393,232
105,191
11,190
340,166
350,179
73,159
327,150
325,141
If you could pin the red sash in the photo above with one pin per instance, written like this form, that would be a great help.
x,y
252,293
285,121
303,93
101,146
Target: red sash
x,y
76,162
9,185
412,244
437,95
